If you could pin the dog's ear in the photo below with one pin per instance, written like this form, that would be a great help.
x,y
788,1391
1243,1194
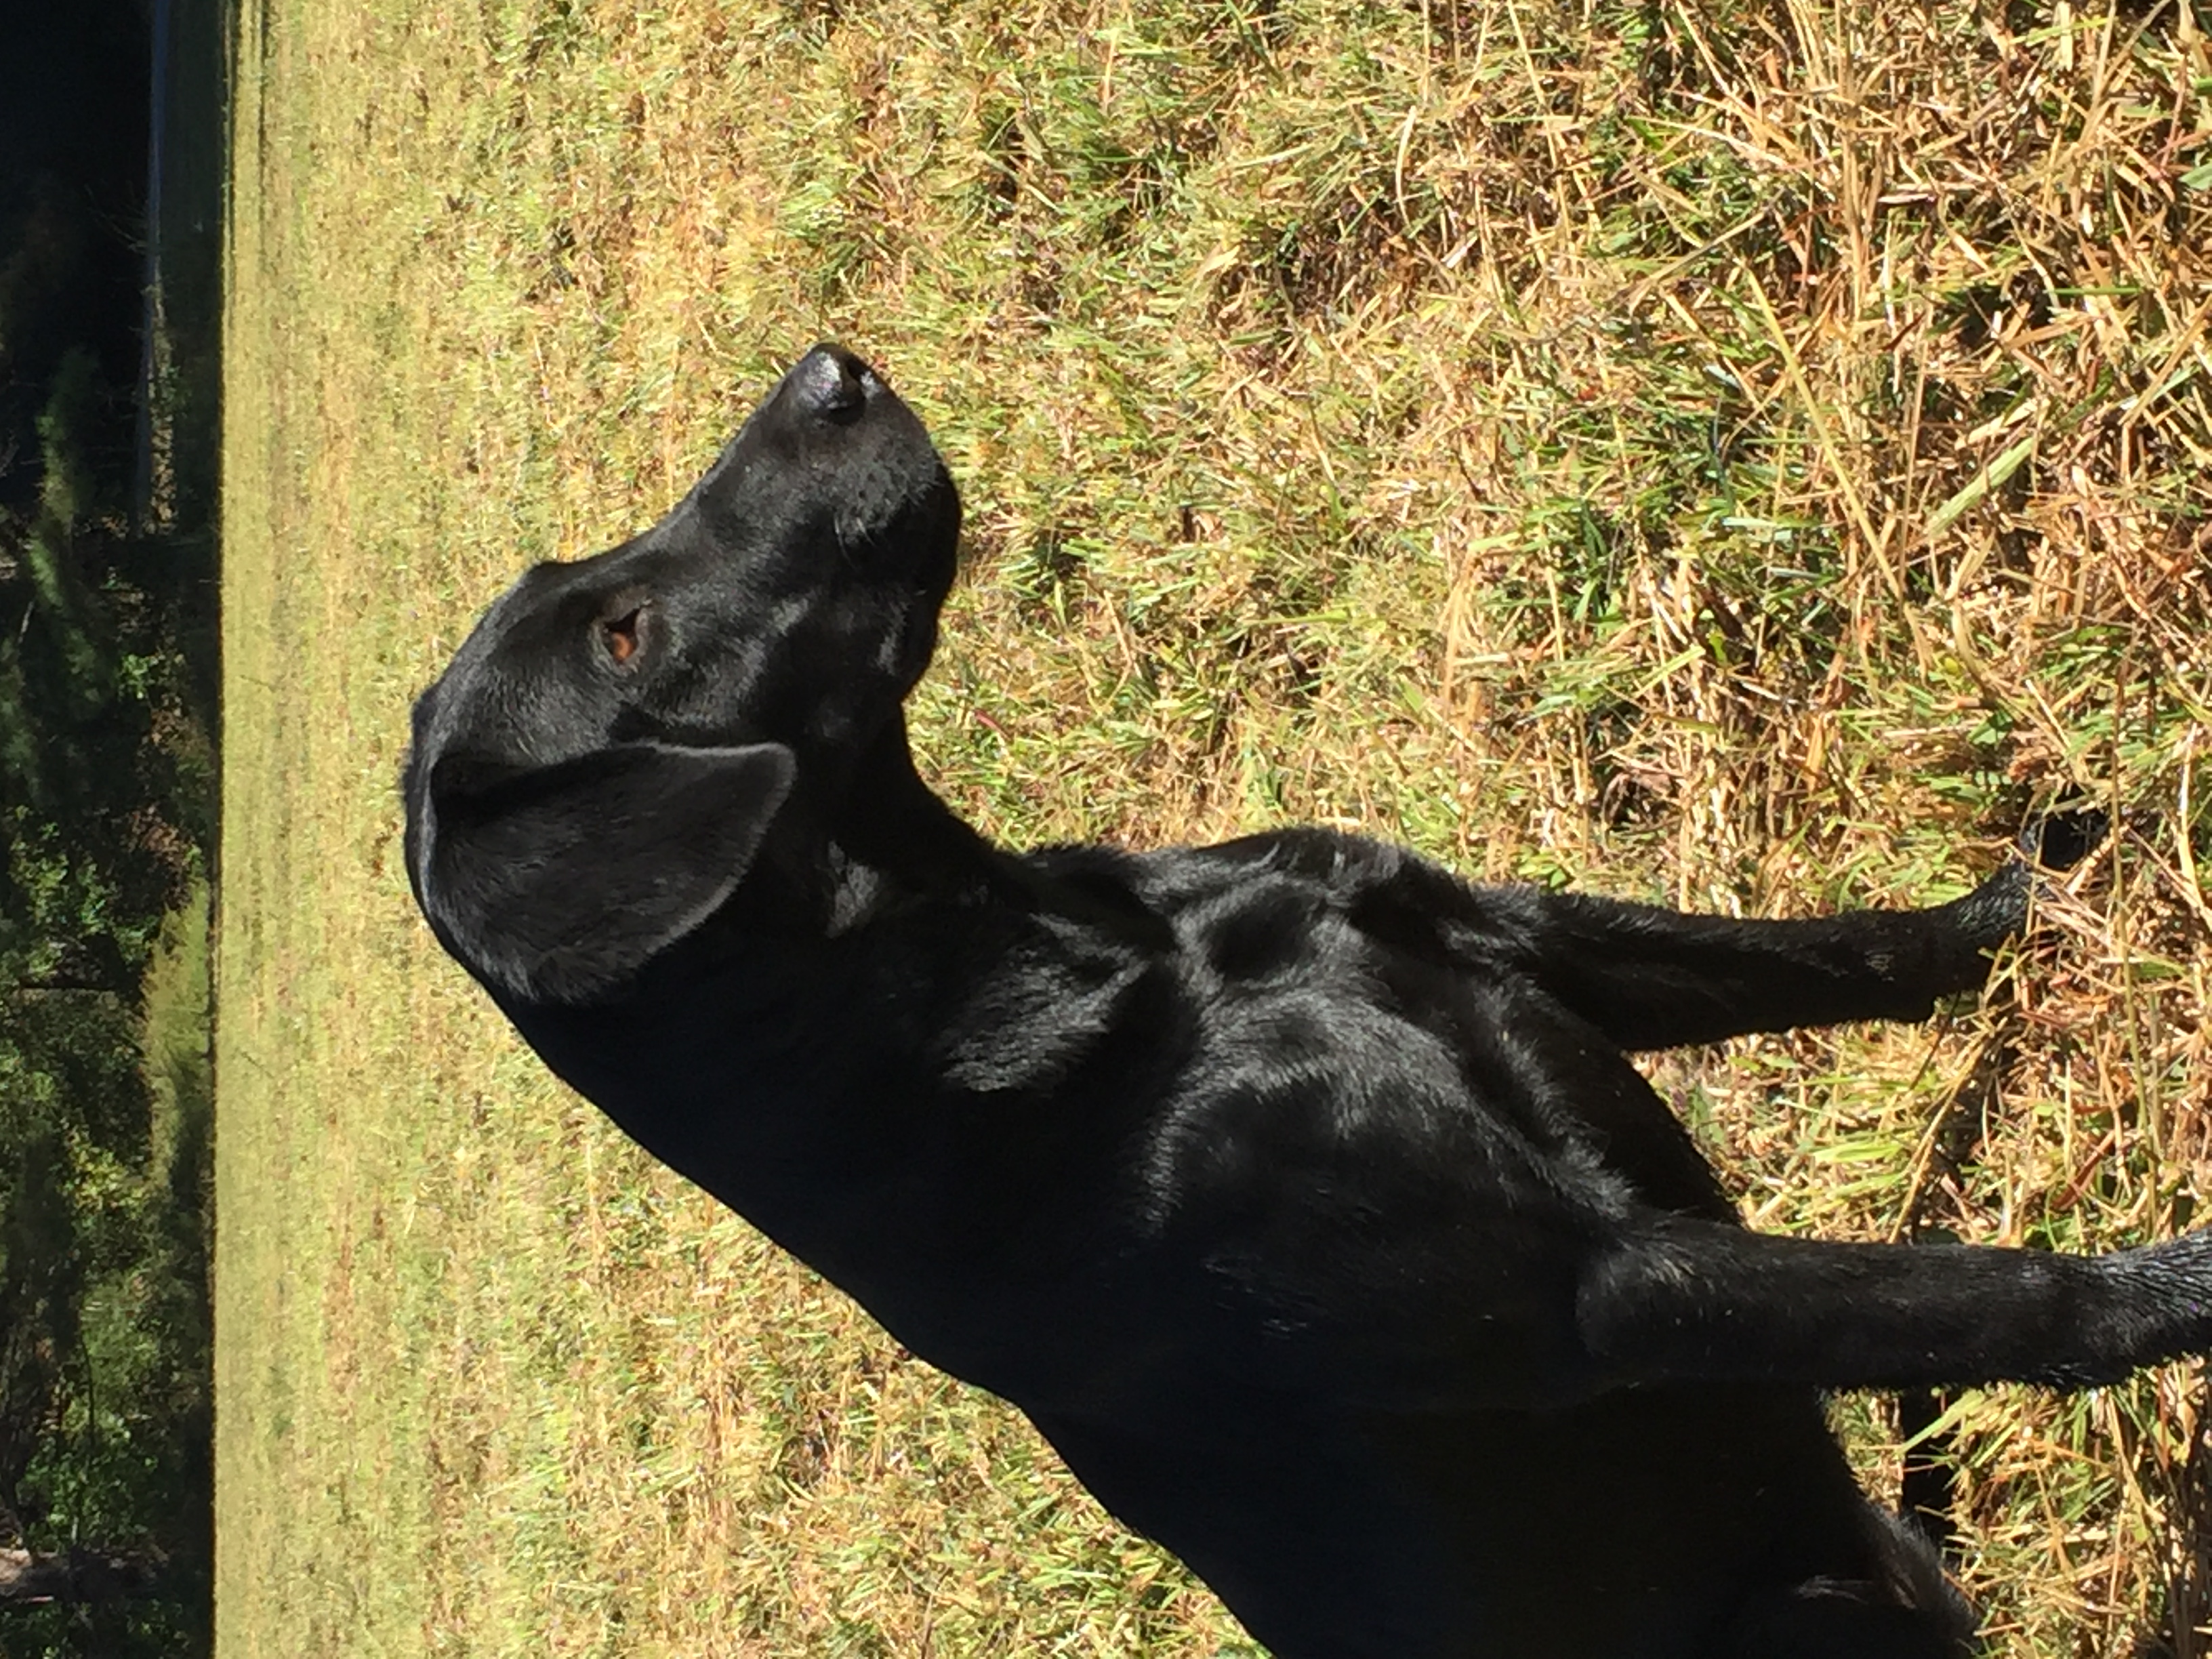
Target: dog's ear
x,y
558,883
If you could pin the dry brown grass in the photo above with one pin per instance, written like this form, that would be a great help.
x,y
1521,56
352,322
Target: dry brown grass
x,y
1749,456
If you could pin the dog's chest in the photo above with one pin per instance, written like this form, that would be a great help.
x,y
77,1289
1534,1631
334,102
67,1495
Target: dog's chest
x,y
994,1135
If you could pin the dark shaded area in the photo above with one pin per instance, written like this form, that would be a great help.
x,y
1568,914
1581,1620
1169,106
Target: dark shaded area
x,y
73,104
111,166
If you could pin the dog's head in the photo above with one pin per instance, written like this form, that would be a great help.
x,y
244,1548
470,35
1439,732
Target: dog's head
x,y
593,773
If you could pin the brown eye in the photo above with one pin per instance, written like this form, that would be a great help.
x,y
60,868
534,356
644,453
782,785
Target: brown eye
x,y
620,636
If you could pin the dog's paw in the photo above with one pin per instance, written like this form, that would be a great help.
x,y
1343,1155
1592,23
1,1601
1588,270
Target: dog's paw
x,y
1998,909
2059,841
2167,1289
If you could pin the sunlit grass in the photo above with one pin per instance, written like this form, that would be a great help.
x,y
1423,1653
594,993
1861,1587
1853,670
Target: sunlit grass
x,y
1587,444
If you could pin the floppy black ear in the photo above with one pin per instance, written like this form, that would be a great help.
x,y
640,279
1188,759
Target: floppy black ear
x,y
558,883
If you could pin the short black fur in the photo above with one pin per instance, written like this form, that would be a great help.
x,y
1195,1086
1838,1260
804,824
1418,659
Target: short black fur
x,y
1299,1192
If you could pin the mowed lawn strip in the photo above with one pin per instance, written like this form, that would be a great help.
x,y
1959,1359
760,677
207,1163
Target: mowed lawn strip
x,y
1750,459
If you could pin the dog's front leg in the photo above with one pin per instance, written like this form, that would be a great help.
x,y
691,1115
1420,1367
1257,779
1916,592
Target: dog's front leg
x,y
1685,1299
1651,978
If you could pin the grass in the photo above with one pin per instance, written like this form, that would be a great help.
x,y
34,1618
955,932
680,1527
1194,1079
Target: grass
x,y
1747,457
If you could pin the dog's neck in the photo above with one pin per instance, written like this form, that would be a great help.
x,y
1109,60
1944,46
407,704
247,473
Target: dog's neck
x,y
891,824
898,840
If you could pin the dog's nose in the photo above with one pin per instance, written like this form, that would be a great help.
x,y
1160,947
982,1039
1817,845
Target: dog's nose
x,y
830,382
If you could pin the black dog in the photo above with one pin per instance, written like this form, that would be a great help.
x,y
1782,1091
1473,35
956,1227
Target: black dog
x,y
1297,1190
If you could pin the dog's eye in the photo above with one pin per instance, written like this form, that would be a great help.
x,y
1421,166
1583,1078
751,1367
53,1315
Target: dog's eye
x,y
620,636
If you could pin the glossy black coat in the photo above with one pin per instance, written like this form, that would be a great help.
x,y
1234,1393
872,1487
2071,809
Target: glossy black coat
x,y
1299,1192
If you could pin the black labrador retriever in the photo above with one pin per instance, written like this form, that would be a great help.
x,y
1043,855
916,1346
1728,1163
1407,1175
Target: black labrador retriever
x,y
1297,1190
